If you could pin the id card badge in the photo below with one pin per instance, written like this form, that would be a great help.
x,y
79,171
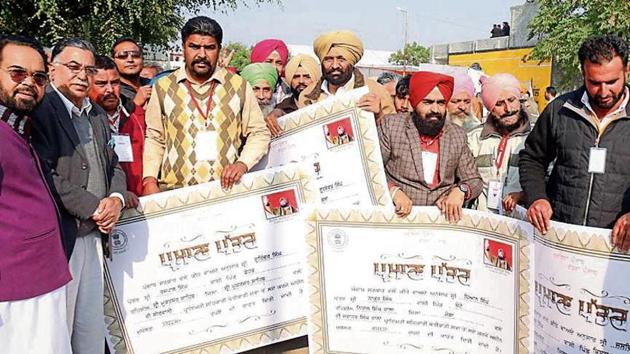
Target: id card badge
x,y
206,145
597,160
122,147
495,194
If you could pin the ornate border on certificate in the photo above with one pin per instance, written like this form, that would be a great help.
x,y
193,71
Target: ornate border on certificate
x,y
382,218
192,197
343,106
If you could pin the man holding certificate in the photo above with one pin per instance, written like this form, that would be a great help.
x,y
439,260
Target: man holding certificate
x,y
203,122
426,158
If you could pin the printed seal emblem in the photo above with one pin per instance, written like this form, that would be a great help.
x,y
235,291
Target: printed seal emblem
x,y
119,241
337,239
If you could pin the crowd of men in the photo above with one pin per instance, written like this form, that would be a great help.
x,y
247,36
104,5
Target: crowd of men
x,y
85,134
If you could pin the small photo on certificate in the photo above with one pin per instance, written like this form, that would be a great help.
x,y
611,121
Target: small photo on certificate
x,y
280,204
338,133
497,254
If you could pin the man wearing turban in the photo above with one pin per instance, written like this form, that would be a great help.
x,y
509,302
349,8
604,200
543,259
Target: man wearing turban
x,y
276,53
459,108
496,144
262,77
426,158
301,71
339,52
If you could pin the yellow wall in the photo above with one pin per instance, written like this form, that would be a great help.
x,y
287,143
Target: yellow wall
x,y
513,61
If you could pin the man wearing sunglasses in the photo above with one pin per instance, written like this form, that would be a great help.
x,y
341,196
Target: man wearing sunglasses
x,y
73,138
33,267
134,89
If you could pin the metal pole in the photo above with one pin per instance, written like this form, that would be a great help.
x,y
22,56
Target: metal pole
x,y
405,60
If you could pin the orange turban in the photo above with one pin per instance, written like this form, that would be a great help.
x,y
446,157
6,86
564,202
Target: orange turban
x,y
423,82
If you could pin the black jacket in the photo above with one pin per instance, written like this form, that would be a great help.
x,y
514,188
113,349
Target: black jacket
x,y
64,162
564,132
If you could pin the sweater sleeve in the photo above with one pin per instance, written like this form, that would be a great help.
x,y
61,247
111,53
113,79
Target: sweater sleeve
x,y
535,158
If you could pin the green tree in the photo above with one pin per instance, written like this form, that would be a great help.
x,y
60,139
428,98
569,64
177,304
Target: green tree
x,y
562,26
415,55
152,22
241,55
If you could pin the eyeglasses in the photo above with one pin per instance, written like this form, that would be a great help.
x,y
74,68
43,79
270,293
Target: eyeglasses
x,y
76,68
135,54
18,75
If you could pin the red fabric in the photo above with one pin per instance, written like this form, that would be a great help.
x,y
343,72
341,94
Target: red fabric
x,y
135,127
263,48
432,144
423,82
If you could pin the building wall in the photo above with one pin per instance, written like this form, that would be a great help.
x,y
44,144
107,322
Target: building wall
x,y
515,62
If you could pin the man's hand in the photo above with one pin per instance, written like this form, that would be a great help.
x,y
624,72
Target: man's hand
x,y
402,203
225,58
142,96
370,102
150,186
621,233
107,214
539,214
232,174
272,123
511,200
451,204
131,200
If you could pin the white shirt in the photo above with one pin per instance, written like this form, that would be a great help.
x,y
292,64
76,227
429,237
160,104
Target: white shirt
x,y
349,86
116,118
87,108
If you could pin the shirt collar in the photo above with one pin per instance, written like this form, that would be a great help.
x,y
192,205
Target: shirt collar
x,y
120,109
85,107
345,88
218,75
621,109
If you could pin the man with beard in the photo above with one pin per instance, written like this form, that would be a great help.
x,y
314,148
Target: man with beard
x,y
285,207
134,89
459,107
73,138
401,99
203,122
33,264
342,136
276,53
262,77
127,129
426,158
338,53
496,144
301,70
586,132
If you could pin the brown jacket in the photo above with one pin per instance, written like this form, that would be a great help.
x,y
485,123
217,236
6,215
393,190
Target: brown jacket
x,y
313,93
402,158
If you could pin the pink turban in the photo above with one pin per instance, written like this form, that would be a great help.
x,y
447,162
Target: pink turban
x,y
263,48
463,83
492,87
423,82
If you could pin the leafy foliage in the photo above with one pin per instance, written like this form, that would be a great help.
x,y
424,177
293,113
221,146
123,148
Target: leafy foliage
x,y
152,22
415,55
562,26
241,57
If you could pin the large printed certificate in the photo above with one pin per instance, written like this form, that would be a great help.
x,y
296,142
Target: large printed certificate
x,y
204,269
581,294
382,284
340,145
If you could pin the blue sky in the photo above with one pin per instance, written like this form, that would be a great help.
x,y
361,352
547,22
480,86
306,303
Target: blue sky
x,y
378,23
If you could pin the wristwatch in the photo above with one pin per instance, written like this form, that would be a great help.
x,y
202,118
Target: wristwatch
x,y
464,188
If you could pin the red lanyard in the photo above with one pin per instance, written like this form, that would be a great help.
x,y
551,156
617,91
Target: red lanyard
x,y
213,85
501,152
